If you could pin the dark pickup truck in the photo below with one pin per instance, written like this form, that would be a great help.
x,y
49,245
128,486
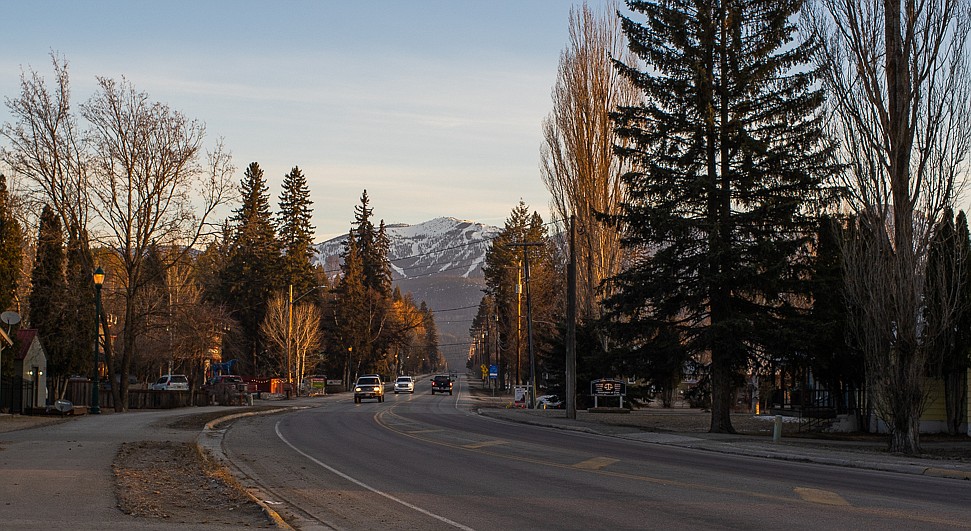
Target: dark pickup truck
x,y
442,384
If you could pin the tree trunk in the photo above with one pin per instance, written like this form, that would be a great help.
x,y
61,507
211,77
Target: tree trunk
x,y
721,393
955,400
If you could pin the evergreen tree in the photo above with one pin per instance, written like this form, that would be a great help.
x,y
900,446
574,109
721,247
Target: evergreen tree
x,y
79,327
833,360
381,265
503,274
432,359
252,271
373,245
49,302
948,281
351,312
728,155
11,250
296,232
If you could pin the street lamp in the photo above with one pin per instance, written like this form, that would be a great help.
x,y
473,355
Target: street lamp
x,y
99,279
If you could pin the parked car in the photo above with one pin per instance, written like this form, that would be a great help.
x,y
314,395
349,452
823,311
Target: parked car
x,y
548,402
404,384
171,382
226,379
368,386
442,384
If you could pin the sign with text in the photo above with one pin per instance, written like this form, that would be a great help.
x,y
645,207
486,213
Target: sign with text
x,y
608,387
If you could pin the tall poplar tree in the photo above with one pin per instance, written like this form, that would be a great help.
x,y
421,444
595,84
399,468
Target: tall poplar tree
x,y
252,271
729,158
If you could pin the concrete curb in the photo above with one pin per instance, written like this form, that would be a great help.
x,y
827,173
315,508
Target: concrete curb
x,y
210,441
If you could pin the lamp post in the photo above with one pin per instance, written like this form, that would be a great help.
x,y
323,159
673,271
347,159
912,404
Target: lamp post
x,y
99,279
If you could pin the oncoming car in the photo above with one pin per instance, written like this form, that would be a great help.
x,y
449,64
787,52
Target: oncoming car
x,y
369,386
404,384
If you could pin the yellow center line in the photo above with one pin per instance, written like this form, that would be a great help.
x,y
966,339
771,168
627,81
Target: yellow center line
x,y
483,444
822,497
595,463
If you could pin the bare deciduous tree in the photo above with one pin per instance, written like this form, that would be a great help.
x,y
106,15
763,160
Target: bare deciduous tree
x,y
152,190
302,334
133,181
897,76
579,167
47,147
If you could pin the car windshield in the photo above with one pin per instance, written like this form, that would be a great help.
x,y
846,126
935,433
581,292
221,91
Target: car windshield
x,y
368,381
404,379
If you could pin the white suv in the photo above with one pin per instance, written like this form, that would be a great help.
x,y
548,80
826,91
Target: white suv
x,y
404,384
171,382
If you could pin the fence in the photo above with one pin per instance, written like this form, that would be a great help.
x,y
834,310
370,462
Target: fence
x,y
17,396
79,393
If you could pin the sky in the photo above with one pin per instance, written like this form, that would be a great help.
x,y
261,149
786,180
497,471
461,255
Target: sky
x,y
434,107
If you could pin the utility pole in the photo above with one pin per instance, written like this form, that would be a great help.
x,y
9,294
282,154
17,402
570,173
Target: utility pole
x,y
529,322
289,333
571,326
519,322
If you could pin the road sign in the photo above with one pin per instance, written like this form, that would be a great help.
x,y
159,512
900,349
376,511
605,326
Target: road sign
x,y
493,372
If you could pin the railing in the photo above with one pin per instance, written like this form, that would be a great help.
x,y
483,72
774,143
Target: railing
x,y
817,408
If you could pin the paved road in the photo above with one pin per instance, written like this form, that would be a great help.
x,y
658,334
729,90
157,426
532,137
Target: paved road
x,y
421,461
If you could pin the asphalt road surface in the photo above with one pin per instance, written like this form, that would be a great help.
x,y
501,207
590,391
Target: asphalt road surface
x,y
427,462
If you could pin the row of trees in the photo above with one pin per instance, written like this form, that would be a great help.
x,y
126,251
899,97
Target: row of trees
x,y
129,186
761,184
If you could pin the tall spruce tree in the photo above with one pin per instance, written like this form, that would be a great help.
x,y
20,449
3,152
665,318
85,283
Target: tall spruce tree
x,y
296,232
503,276
11,250
729,158
49,302
252,271
833,360
351,312
372,243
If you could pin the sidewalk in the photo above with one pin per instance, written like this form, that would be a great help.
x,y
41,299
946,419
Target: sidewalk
x,y
58,474
641,426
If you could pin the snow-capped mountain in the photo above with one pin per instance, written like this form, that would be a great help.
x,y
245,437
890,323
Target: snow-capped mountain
x,y
439,262
442,246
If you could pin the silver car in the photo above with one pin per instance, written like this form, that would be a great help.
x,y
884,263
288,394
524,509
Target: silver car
x,y
171,382
404,384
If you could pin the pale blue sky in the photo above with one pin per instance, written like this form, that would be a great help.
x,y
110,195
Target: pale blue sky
x,y
435,107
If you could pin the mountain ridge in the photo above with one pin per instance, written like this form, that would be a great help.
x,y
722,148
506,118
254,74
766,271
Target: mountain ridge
x,y
439,262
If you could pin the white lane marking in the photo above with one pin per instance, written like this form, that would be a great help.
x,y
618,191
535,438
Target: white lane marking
x,y
366,486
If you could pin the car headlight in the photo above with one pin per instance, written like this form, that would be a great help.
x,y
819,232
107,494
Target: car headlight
x,y
357,389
